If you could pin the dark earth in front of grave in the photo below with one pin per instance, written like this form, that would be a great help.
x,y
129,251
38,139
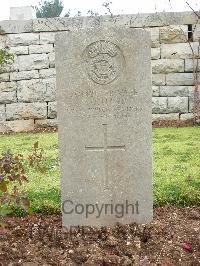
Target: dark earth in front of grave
x,y
172,238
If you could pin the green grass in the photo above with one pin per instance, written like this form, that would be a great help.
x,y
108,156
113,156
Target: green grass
x,y
176,156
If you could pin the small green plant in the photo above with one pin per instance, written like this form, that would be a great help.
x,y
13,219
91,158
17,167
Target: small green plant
x,y
6,57
36,158
12,175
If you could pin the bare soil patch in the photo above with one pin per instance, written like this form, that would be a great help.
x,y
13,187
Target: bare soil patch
x,y
172,238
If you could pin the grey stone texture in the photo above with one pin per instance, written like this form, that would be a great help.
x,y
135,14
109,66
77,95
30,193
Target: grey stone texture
x,y
2,112
191,104
180,79
47,73
17,126
158,79
32,61
37,90
155,90
41,49
196,35
174,34
43,123
159,105
8,92
4,77
19,111
19,50
165,117
24,75
178,104
180,50
155,53
32,42
52,110
104,116
167,65
187,116
47,37
174,91
22,39
191,65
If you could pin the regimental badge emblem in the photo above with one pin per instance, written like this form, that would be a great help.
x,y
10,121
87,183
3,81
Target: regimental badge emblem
x,y
103,61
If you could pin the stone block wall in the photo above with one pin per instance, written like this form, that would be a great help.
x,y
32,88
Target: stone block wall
x,y
28,87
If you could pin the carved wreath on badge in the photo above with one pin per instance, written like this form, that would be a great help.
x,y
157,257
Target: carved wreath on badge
x,y
102,60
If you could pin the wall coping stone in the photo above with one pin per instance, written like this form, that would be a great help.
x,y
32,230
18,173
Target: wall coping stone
x,y
158,19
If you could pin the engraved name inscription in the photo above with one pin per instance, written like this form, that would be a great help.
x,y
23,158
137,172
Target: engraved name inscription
x,y
117,103
103,61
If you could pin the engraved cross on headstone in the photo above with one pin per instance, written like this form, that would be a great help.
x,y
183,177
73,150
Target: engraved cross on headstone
x,y
105,148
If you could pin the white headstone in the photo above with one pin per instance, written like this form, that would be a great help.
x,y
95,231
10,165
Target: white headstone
x,y
104,111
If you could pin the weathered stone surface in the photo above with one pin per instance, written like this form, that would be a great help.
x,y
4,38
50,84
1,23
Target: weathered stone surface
x,y
155,90
158,79
178,104
176,91
19,50
52,110
38,90
167,65
47,37
191,104
10,67
187,116
25,67
22,39
167,117
159,105
26,110
17,126
5,69
162,19
51,57
196,34
2,112
40,49
41,123
2,41
155,42
185,79
155,53
179,50
57,24
174,34
8,92
192,65
47,73
33,61
135,20
4,77
16,26
105,121
24,75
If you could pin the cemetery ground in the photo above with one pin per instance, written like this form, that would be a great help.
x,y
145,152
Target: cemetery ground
x,y
172,238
